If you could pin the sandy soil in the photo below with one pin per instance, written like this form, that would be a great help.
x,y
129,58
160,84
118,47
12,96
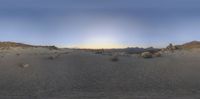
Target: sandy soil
x,y
39,73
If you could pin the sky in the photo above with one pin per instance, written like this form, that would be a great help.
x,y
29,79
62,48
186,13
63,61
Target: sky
x,y
100,23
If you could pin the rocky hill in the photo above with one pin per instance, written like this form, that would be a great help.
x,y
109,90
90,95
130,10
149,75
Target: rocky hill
x,y
13,44
190,45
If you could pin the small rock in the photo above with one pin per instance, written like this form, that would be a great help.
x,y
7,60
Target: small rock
x,y
51,57
18,54
24,65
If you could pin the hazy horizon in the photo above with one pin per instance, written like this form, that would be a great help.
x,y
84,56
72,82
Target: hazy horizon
x,y
100,24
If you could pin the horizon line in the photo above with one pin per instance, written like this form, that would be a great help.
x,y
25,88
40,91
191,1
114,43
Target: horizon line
x,y
76,47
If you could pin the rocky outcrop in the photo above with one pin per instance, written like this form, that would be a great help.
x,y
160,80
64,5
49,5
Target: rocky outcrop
x,y
171,47
158,54
147,55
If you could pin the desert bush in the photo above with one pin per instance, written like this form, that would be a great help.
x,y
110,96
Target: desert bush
x,y
146,55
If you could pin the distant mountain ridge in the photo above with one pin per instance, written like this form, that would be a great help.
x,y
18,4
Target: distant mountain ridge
x,y
14,44
190,45
140,50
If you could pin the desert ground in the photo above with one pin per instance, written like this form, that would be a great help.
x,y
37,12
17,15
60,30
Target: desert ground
x,y
41,73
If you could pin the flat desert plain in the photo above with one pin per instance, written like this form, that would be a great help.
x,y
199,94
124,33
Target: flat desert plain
x,y
40,73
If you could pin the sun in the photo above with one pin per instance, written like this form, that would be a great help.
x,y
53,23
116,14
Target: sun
x,y
100,46
99,41
101,35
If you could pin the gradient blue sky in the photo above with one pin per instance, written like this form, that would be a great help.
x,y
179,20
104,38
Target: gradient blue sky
x,y
103,23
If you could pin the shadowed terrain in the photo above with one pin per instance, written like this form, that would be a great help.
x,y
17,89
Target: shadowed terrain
x,y
41,73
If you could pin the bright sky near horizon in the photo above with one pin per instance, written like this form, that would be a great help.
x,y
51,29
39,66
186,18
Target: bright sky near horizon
x,y
100,23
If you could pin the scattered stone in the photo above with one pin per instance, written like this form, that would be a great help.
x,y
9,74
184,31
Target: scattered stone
x,y
24,65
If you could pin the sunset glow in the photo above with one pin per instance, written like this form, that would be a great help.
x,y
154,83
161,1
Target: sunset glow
x,y
102,24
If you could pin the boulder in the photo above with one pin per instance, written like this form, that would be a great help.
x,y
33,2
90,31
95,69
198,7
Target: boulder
x,y
147,55
171,48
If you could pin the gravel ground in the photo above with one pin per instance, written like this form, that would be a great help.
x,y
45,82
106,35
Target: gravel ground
x,y
31,74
